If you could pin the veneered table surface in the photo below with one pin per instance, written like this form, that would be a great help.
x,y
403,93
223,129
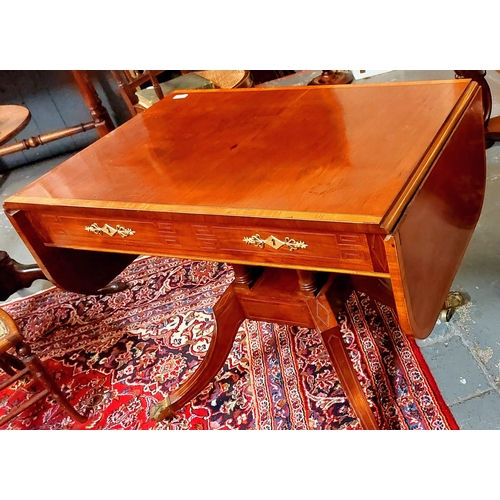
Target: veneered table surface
x,y
312,153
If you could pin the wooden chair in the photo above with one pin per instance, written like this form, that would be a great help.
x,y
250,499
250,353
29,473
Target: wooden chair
x,y
130,81
26,363
226,79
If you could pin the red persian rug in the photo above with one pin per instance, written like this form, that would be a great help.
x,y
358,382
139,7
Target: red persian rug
x,y
115,356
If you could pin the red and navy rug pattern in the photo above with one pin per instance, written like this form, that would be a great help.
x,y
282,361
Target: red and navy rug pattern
x,y
116,356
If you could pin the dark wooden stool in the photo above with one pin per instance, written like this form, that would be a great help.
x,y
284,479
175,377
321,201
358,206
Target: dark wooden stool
x,y
26,363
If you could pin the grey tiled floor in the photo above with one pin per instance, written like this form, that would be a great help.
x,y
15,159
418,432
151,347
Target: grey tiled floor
x,y
464,354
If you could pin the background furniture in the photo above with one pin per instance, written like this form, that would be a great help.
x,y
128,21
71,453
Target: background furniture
x,y
333,77
227,79
13,119
491,125
13,275
295,187
23,364
101,120
131,81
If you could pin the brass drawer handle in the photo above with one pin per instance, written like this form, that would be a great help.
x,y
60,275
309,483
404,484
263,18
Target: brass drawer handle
x,y
110,231
274,242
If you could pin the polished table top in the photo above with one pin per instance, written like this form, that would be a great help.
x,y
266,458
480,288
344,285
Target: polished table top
x,y
383,180
296,187
310,153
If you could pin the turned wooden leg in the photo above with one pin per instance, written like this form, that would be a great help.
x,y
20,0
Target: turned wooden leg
x,y
245,276
99,113
282,296
5,365
228,317
310,299
310,282
38,371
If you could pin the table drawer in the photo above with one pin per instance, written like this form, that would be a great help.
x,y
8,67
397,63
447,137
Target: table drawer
x,y
294,247
252,244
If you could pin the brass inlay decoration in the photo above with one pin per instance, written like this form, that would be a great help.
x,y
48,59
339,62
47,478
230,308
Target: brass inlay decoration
x,y
110,231
274,242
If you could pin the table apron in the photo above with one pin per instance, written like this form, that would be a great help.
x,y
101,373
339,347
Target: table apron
x,y
254,244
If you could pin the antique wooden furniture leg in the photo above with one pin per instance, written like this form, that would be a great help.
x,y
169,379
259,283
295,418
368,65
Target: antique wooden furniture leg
x,y
309,299
299,298
324,317
228,318
39,140
100,116
29,364
9,363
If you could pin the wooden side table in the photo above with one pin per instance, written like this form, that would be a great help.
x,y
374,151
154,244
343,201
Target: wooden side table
x,y
298,188
13,119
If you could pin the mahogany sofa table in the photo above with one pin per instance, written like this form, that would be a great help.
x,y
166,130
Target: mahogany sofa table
x,y
296,187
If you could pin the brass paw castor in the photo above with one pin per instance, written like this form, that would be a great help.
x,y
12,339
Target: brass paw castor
x,y
162,411
453,300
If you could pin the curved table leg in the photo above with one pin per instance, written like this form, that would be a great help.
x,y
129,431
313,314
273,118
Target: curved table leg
x,y
348,377
325,319
228,316
263,301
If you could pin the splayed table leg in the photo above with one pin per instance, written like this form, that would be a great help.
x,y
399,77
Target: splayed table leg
x,y
228,318
300,298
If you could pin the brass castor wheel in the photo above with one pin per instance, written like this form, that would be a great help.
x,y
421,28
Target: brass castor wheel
x,y
446,314
453,300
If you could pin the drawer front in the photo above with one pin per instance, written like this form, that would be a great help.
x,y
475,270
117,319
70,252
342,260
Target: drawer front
x,y
252,244
312,249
